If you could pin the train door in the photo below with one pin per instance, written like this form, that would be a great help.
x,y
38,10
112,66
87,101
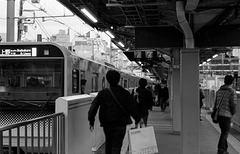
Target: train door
x,y
75,81
94,82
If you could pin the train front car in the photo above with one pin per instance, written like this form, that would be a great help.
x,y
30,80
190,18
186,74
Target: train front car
x,y
31,78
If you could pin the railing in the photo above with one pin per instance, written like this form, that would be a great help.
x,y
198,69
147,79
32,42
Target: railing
x,y
44,135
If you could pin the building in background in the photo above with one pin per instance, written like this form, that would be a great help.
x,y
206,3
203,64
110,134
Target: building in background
x,y
90,48
3,37
62,38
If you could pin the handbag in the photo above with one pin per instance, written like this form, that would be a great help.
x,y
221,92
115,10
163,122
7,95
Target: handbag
x,y
214,116
143,140
129,119
215,112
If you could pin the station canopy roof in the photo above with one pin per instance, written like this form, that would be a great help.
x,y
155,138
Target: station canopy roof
x,y
150,29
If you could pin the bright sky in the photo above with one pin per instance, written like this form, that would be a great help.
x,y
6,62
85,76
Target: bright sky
x,y
49,27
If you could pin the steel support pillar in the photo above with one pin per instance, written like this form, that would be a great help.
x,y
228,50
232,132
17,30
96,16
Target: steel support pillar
x,y
189,96
10,20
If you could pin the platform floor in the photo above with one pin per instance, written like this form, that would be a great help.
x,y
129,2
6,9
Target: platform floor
x,y
169,143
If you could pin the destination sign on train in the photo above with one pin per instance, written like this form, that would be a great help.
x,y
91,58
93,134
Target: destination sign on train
x,y
7,52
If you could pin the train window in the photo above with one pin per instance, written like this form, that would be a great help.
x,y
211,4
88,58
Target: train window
x,y
75,81
39,81
31,79
237,84
83,82
82,74
30,73
83,85
14,81
103,82
94,82
125,84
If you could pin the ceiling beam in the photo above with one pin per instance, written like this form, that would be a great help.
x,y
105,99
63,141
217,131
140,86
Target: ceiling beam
x,y
204,8
216,21
218,36
134,4
191,5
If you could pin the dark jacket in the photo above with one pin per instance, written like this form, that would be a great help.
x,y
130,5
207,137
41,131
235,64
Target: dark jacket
x,y
201,97
145,100
158,89
229,101
110,113
164,94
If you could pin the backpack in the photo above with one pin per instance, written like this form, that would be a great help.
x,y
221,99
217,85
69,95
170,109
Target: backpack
x,y
135,96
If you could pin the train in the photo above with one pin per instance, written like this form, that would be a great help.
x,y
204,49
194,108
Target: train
x,y
34,74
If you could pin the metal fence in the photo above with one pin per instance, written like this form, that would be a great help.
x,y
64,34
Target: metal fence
x,y
44,135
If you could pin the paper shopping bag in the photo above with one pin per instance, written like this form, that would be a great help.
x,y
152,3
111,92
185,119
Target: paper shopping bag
x,y
143,141
125,144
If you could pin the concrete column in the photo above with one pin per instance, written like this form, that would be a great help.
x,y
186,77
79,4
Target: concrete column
x,y
170,88
176,101
176,106
189,96
10,20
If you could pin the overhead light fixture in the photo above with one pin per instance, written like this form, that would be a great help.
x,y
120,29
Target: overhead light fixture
x,y
109,34
209,59
204,63
214,56
121,44
89,15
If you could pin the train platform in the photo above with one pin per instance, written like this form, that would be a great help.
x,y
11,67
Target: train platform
x,y
169,143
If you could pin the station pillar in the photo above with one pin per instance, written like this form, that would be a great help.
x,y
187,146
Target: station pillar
x,y
176,106
10,20
189,96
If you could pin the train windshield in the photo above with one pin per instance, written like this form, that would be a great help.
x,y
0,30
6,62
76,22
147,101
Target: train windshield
x,y
30,81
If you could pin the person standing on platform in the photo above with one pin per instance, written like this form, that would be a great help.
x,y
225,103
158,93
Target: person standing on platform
x,y
145,99
116,107
164,96
153,96
226,95
201,101
83,85
158,90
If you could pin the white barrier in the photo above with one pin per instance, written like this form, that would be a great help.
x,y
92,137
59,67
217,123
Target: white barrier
x,y
236,117
78,138
99,137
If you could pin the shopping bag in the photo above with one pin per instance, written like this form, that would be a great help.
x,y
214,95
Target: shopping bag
x,y
143,141
125,144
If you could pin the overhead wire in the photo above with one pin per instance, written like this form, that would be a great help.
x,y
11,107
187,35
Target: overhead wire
x,y
57,20
41,8
43,29
30,33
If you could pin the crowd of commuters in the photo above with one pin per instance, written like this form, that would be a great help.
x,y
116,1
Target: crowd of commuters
x,y
116,107
162,93
145,99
